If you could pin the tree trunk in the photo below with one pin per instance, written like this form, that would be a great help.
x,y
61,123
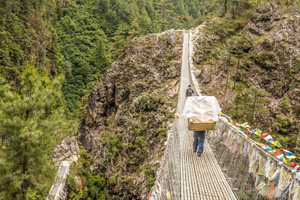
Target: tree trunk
x,y
233,10
236,72
254,104
225,7
226,81
24,171
244,113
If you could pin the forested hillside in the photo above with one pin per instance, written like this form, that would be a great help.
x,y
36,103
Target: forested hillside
x,y
82,38
52,53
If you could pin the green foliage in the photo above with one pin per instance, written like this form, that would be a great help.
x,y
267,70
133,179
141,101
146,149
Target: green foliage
x,y
81,38
165,12
161,132
129,182
31,124
295,70
240,44
27,33
248,102
82,184
285,104
139,131
170,115
150,175
288,141
92,34
268,60
151,182
113,180
148,171
141,142
113,143
145,102
282,123
33,195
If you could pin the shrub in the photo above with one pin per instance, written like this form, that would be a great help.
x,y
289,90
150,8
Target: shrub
x,y
161,132
170,115
268,60
129,182
113,180
282,122
148,171
145,102
151,182
141,142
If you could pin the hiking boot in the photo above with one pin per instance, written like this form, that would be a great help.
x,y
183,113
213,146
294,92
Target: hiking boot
x,y
199,154
194,150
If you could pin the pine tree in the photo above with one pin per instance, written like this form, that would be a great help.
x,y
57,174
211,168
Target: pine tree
x,y
135,28
165,13
119,40
100,59
145,22
31,122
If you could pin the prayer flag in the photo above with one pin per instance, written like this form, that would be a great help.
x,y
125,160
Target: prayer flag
x,y
277,153
264,135
268,148
268,137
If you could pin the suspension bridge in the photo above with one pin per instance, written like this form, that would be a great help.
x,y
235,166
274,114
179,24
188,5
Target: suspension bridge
x,y
231,167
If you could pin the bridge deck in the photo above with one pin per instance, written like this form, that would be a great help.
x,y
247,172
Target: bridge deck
x,y
201,177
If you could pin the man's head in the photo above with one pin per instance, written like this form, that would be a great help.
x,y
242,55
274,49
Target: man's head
x,y
190,86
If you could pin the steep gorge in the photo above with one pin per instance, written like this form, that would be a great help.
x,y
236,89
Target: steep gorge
x,y
249,62
129,113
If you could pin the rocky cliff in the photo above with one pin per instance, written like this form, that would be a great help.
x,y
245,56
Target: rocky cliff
x,y
129,113
252,64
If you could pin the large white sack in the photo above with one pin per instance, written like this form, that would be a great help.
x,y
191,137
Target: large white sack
x,y
201,108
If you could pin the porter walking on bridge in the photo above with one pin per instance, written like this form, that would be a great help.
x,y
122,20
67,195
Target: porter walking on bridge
x,y
199,138
189,92
202,114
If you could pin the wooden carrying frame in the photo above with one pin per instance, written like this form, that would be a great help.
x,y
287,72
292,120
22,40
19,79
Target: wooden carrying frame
x,y
201,126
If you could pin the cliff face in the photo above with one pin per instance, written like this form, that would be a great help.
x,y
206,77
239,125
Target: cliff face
x,y
252,65
129,112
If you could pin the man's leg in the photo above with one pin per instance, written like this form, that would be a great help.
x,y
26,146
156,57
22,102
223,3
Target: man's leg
x,y
201,141
195,143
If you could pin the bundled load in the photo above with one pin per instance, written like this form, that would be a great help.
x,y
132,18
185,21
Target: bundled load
x,y
202,112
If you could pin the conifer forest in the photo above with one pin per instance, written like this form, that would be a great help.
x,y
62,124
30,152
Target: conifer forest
x,y
96,82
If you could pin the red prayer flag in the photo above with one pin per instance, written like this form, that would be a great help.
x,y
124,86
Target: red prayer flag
x,y
283,150
264,135
292,164
277,153
235,124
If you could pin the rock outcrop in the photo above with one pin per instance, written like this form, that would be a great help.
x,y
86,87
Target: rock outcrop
x,y
130,110
67,150
255,70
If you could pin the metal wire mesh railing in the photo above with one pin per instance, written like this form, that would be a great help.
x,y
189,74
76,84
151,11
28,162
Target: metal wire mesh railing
x,y
251,172
57,190
168,176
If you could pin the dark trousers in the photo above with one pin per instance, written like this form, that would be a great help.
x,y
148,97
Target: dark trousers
x,y
199,138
